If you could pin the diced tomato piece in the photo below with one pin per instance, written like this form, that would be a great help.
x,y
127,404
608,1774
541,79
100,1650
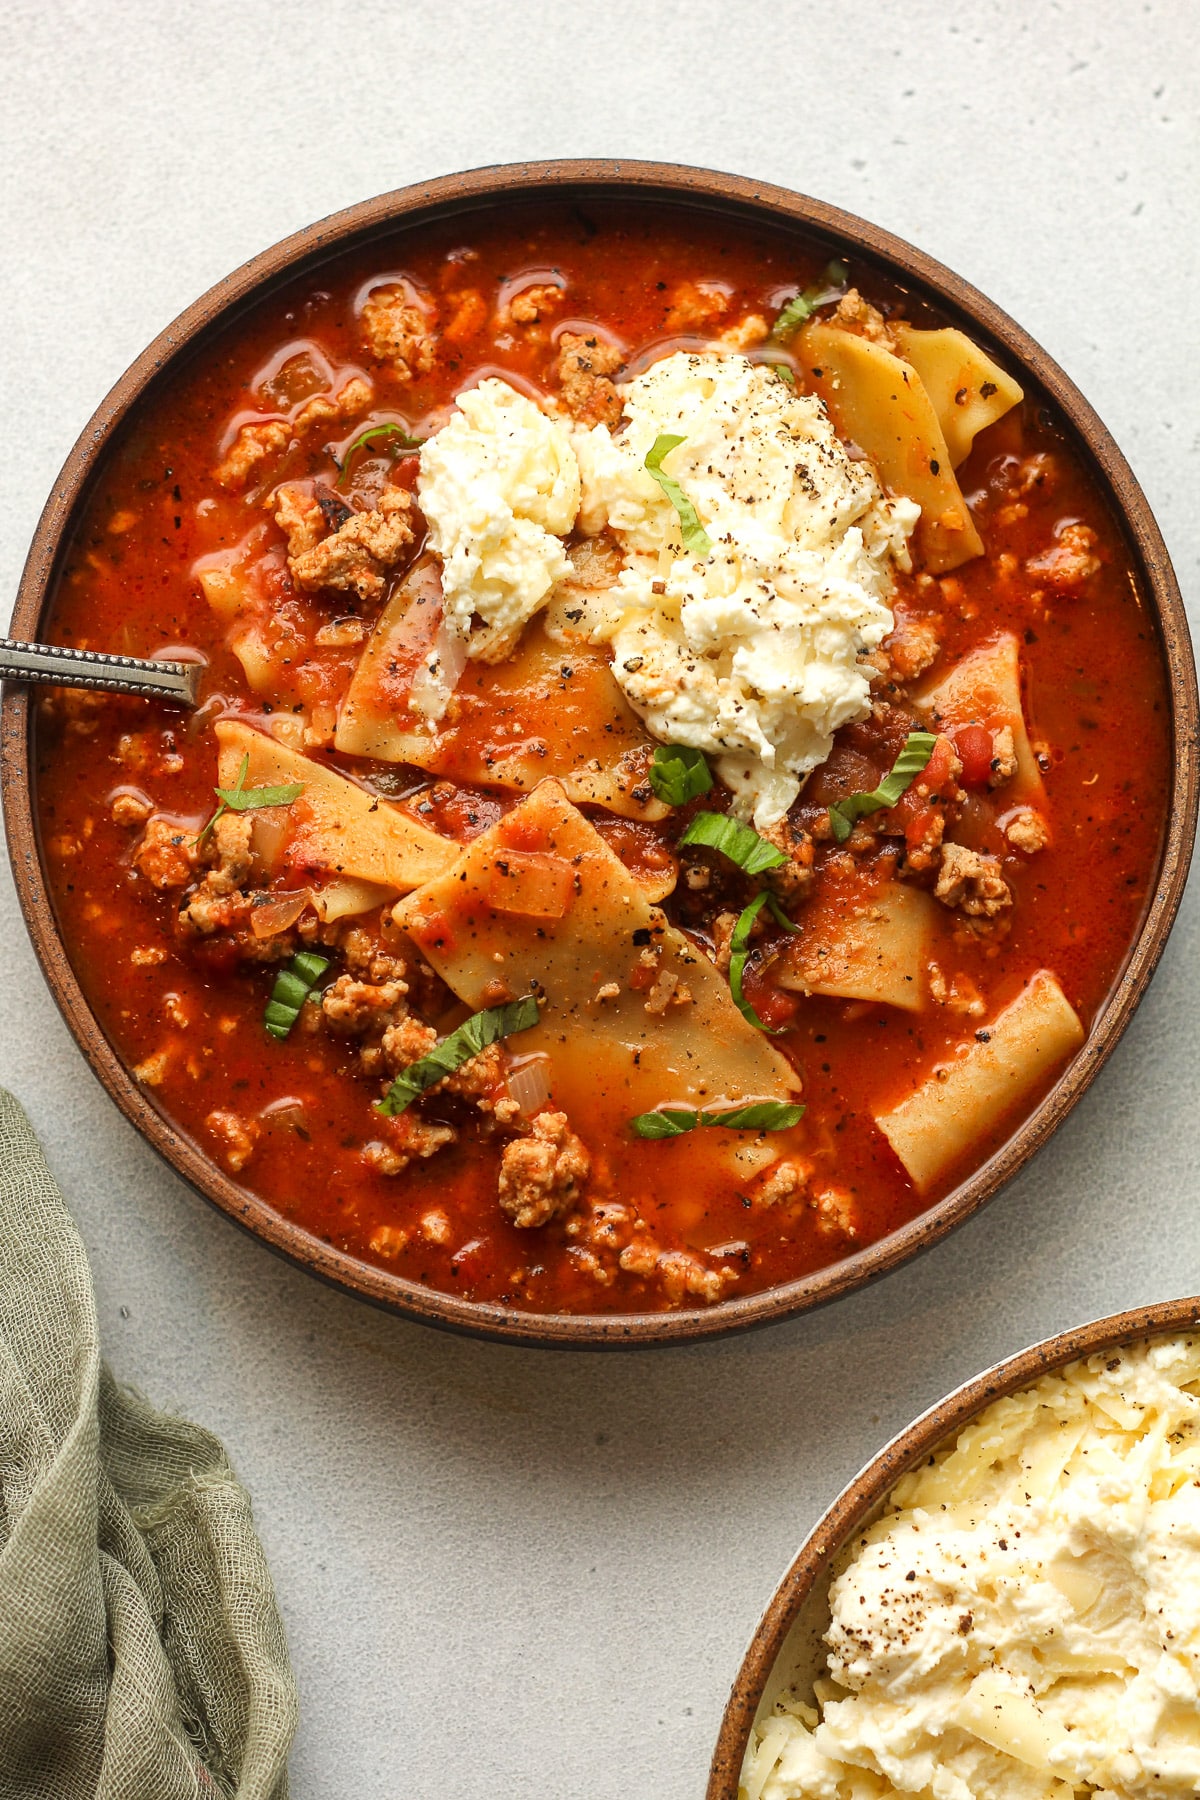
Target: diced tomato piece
x,y
217,955
471,1263
774,1006
531,882
934,778
974,746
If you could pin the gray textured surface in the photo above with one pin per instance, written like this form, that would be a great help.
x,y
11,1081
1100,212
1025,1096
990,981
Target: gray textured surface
x,y
506,1573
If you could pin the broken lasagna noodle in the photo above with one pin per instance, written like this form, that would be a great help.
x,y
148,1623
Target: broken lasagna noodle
x,y
679,741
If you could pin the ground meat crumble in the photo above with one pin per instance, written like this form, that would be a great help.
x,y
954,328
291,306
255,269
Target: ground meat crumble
x,y
541,1175
972,882
398,329
261,440
582,371
332,547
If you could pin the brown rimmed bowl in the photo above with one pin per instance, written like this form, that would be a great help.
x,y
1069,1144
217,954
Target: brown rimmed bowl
x,y
786,1650
697,190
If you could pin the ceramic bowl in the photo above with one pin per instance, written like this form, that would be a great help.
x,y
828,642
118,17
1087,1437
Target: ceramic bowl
x,y
696,190
787,1648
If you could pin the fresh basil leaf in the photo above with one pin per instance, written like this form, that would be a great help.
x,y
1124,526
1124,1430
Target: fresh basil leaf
x,y
760,1115
791,318
369,436
292,987
240,798
669,1122
678,774
751,853
696,540
794,314
739,953
472,1036
918,749
784,373
248,799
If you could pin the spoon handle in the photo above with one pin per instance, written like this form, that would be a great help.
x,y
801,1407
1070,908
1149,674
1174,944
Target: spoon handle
x,y
97,669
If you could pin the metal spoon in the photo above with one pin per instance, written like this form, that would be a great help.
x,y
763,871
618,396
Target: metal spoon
x,y
97,669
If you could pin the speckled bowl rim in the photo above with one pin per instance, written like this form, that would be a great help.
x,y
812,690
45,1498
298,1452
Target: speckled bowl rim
x,y
752,203
870,1487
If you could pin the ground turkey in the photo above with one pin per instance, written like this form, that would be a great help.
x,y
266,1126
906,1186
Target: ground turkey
x,y
398,331
358,554
1070,560
582,370
541,1175
971,882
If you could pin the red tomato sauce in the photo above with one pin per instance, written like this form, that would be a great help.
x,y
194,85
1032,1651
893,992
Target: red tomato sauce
x,y
187,1014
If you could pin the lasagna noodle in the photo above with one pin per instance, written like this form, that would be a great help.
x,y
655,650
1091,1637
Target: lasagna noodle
x,y
961,1101
364,846
984,688
873,947
879,402
548,710
605,1052
966,389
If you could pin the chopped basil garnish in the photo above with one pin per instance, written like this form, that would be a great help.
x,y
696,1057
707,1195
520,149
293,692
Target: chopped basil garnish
x,y
760,1115
754,856
793,315
908,765
292,987
240,798
695,539
751,853
739,952
472,1036
368,437
678,774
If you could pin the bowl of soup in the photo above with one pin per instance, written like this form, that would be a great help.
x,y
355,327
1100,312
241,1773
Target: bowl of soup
x,y
1004,1601
694,764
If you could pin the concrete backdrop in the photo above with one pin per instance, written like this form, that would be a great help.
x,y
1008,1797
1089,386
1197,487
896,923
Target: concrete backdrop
x,y
506,1573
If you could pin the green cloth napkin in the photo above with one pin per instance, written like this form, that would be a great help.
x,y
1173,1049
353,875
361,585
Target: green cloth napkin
x,y
141,1653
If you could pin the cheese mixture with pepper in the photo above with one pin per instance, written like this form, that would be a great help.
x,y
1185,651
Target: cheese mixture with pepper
x,y
750,653
1024,1621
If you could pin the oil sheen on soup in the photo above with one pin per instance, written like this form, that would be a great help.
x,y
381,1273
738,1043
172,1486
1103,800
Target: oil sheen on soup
x,y
680,763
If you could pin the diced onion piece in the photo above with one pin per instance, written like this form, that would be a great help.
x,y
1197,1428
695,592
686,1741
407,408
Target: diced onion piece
x,y
438,676
269,833
532,883
529,1085
274,916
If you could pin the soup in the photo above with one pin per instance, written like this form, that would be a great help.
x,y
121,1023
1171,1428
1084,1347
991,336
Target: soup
x,y
681,756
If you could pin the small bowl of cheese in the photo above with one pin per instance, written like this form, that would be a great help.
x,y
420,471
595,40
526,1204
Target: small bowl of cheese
x,y
1005,1603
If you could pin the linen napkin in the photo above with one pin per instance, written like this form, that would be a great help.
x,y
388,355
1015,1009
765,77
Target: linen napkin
x,y
141,1653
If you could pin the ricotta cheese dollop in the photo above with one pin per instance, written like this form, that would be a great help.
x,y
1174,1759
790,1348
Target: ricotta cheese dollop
x,y
1024,1621
750,653
499,487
